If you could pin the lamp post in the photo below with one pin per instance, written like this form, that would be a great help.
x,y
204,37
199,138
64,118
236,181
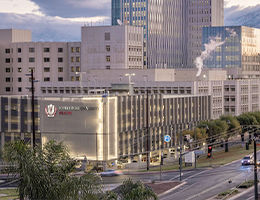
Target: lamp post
x,y
80,77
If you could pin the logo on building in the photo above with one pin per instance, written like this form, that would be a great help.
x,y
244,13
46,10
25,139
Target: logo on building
x,y
50,110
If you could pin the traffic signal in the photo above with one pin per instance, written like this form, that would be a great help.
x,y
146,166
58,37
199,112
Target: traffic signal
x,y
209,151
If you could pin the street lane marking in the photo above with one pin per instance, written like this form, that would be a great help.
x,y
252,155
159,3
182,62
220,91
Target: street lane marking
x,y
182,174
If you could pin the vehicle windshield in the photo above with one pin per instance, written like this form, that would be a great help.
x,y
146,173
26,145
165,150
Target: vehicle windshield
x,y
246,158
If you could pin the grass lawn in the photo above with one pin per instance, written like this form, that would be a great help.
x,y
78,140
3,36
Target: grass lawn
x,y
218,158
8,194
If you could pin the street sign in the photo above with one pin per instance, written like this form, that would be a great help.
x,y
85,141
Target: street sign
x,y
167,138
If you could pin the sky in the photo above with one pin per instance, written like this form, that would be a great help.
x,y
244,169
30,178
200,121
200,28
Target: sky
x,y
60,20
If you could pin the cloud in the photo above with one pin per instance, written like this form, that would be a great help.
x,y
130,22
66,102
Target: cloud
x,y
74,8
249,16
47,28
241,3
19,7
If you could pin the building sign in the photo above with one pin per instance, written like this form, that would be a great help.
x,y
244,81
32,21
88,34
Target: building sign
x,y
50,110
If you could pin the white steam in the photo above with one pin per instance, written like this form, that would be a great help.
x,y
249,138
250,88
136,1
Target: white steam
x,y
232,32
209,48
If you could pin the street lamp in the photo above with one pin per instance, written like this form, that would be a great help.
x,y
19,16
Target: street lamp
x,y
80,77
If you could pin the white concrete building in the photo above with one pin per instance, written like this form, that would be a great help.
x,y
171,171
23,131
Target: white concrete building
x,y
112,47
50,61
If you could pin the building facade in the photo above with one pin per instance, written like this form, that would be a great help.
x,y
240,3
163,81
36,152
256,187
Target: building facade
x,y
112,47
240,53
104,128
50,61
169,42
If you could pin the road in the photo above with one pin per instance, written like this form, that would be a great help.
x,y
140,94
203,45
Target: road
x,y
200,183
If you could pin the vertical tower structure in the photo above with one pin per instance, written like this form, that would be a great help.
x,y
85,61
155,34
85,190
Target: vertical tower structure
x,y
172,28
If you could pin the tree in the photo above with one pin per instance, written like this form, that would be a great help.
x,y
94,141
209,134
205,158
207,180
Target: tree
x,y
246,122
234,128
46,173
134,191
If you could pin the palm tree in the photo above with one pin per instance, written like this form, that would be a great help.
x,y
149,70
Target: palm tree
x,y
134,191
46,173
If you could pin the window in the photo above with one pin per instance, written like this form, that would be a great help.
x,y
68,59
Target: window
x,y
72,69
46,59
19,50
60,50
77,59
46,50
19,89
60,59
31,60
77,78
8,89
107,67
46,69
7,60
19,79
72,59
72,49
19,60
60,69
60,79
107,36
77,49
7,79
46,79
77,69
72,78
31,50
19,69
108,58
108,48
7,70
7,51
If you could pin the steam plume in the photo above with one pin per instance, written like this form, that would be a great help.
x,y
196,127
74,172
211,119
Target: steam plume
x,y
209,48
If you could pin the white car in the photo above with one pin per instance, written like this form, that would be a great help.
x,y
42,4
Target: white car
x,y
247,160
111,172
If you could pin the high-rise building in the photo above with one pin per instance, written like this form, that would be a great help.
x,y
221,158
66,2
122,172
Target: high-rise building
x,y
239,52
172,28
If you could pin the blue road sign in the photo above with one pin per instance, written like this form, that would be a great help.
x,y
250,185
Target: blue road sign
x,y
167,138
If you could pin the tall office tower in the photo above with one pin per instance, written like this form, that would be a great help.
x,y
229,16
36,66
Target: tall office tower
x,y
201,13
171,27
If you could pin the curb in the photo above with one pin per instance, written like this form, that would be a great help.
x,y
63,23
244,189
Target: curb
x,y
172,189
241,193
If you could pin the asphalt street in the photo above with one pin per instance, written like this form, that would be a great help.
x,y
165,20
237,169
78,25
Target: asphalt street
x,y
200,184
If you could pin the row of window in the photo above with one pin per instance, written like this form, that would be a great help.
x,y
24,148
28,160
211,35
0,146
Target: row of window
x,y
19,69
32,60
32,50
46,79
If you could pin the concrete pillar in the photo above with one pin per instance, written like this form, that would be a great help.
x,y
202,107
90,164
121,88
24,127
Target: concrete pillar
x,y
129,159
168,153
140,158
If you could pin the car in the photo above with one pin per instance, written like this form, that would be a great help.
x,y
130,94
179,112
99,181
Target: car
x,y
247,160
111,172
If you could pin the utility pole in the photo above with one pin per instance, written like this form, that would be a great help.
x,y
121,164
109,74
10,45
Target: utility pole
x,y
147,132
32,102
255,171
180,153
